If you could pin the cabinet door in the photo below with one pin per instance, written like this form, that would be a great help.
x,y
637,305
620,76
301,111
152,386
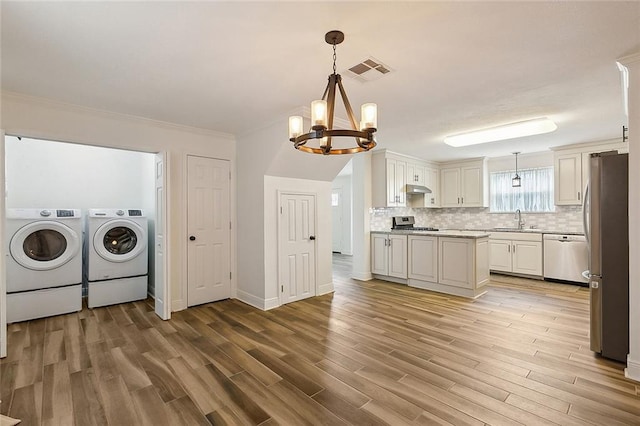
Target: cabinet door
x,y
396,180
527,257
568,179
456,260
392,195
472,191
432,181
398,256
423,258
415,174
401,176
379,254
450,187
500,255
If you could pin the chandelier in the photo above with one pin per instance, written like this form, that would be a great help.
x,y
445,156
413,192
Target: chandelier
x,y
322,112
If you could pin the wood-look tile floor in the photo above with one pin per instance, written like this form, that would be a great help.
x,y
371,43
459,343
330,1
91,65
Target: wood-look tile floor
x,y
371,353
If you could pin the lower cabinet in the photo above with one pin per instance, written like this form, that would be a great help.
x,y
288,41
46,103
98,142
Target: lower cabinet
x,y
515,252
451,265
423,258
389,255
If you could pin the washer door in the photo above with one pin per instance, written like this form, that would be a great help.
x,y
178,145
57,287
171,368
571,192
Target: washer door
x,y
119,240
44,245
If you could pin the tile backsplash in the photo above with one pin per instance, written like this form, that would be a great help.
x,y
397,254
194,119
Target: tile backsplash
x,y
564,219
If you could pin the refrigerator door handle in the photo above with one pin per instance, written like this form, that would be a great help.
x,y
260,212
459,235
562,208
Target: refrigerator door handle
x,y
585,212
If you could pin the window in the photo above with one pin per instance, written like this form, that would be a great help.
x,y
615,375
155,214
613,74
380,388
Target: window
x,y
535,194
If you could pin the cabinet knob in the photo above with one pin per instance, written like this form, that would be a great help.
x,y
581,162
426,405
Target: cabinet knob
x,y
192,238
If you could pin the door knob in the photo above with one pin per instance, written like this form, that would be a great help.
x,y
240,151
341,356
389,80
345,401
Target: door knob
x,y
312,237
192,238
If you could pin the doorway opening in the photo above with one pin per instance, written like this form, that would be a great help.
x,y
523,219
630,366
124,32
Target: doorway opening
x,y
52,175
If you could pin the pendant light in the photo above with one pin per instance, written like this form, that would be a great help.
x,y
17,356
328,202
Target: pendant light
x,y
322,111
516,182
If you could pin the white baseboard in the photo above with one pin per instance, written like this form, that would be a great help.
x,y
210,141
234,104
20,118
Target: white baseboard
x,y
633,369
362,276
257,302
325,288
274,302
178,305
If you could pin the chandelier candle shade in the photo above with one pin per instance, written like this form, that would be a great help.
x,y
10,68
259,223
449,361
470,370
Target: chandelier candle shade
x,y
322,111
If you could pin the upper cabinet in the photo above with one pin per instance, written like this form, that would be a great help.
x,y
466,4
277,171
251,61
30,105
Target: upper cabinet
x,y
568,179
571,170
391,173
464,184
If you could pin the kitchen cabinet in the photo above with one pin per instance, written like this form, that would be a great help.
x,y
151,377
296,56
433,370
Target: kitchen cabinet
x,y
571,170
432,181
463,265
415,174
464,184
568,179
423,258
516,252
389,255
391,172
389,175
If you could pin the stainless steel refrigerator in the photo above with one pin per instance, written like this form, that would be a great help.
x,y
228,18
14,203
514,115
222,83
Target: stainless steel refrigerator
x,y
606,213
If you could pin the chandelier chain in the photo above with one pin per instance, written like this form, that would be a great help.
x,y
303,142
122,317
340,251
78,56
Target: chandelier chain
x,y
334,57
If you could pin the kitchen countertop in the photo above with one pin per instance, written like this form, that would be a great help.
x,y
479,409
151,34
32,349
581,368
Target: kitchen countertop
x,y
455,233
474,233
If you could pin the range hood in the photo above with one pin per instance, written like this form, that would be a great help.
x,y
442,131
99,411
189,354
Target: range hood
x,y
416,189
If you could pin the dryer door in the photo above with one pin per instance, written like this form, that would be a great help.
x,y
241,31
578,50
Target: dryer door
x,y
119,240
44,245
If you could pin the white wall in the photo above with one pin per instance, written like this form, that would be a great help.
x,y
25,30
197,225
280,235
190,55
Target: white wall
x,y
343,183
633,360
263,156
49,120
362,201
62,175
324,268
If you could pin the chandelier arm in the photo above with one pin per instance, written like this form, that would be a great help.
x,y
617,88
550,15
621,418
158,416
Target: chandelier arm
x,y
331,103
347,104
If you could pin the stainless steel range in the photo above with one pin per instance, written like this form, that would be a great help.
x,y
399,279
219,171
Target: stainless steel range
x,y
407,223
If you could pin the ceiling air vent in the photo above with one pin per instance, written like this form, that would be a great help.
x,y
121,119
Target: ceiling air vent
x,y
368,70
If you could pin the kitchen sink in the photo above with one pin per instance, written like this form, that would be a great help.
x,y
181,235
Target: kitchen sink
x,y
516,230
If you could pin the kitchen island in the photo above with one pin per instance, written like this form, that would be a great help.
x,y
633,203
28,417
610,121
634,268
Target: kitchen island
x,y
452,262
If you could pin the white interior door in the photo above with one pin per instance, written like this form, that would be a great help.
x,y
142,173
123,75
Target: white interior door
x,y
336,215
3,278
297,269
209,233
161,291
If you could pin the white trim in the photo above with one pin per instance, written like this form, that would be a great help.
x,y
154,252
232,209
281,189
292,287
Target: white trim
x,y
362,277
271,303
3,275
178,305
252,300
633,369
51,103
324,288
630,59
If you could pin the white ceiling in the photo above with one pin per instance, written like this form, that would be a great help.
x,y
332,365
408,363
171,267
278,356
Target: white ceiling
x,y
237,66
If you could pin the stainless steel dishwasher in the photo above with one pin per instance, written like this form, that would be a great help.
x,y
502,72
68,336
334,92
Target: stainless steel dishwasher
x,y
565,257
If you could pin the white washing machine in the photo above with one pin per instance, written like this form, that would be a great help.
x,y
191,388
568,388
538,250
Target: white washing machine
x,y
115,258
44,263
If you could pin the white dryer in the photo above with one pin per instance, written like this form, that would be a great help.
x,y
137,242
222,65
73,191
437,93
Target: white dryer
x,y
44,262
116,261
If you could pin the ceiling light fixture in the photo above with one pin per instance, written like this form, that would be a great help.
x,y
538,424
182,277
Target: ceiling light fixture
x,y
516,182
520,129
322,117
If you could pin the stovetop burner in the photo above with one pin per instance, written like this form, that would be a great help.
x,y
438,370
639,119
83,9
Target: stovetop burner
x,y
407,223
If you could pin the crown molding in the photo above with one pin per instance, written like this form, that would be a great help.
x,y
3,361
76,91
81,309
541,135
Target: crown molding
x,y
630,59
52,103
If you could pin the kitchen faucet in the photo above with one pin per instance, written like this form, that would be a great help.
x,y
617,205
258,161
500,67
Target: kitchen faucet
x,y
518,217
